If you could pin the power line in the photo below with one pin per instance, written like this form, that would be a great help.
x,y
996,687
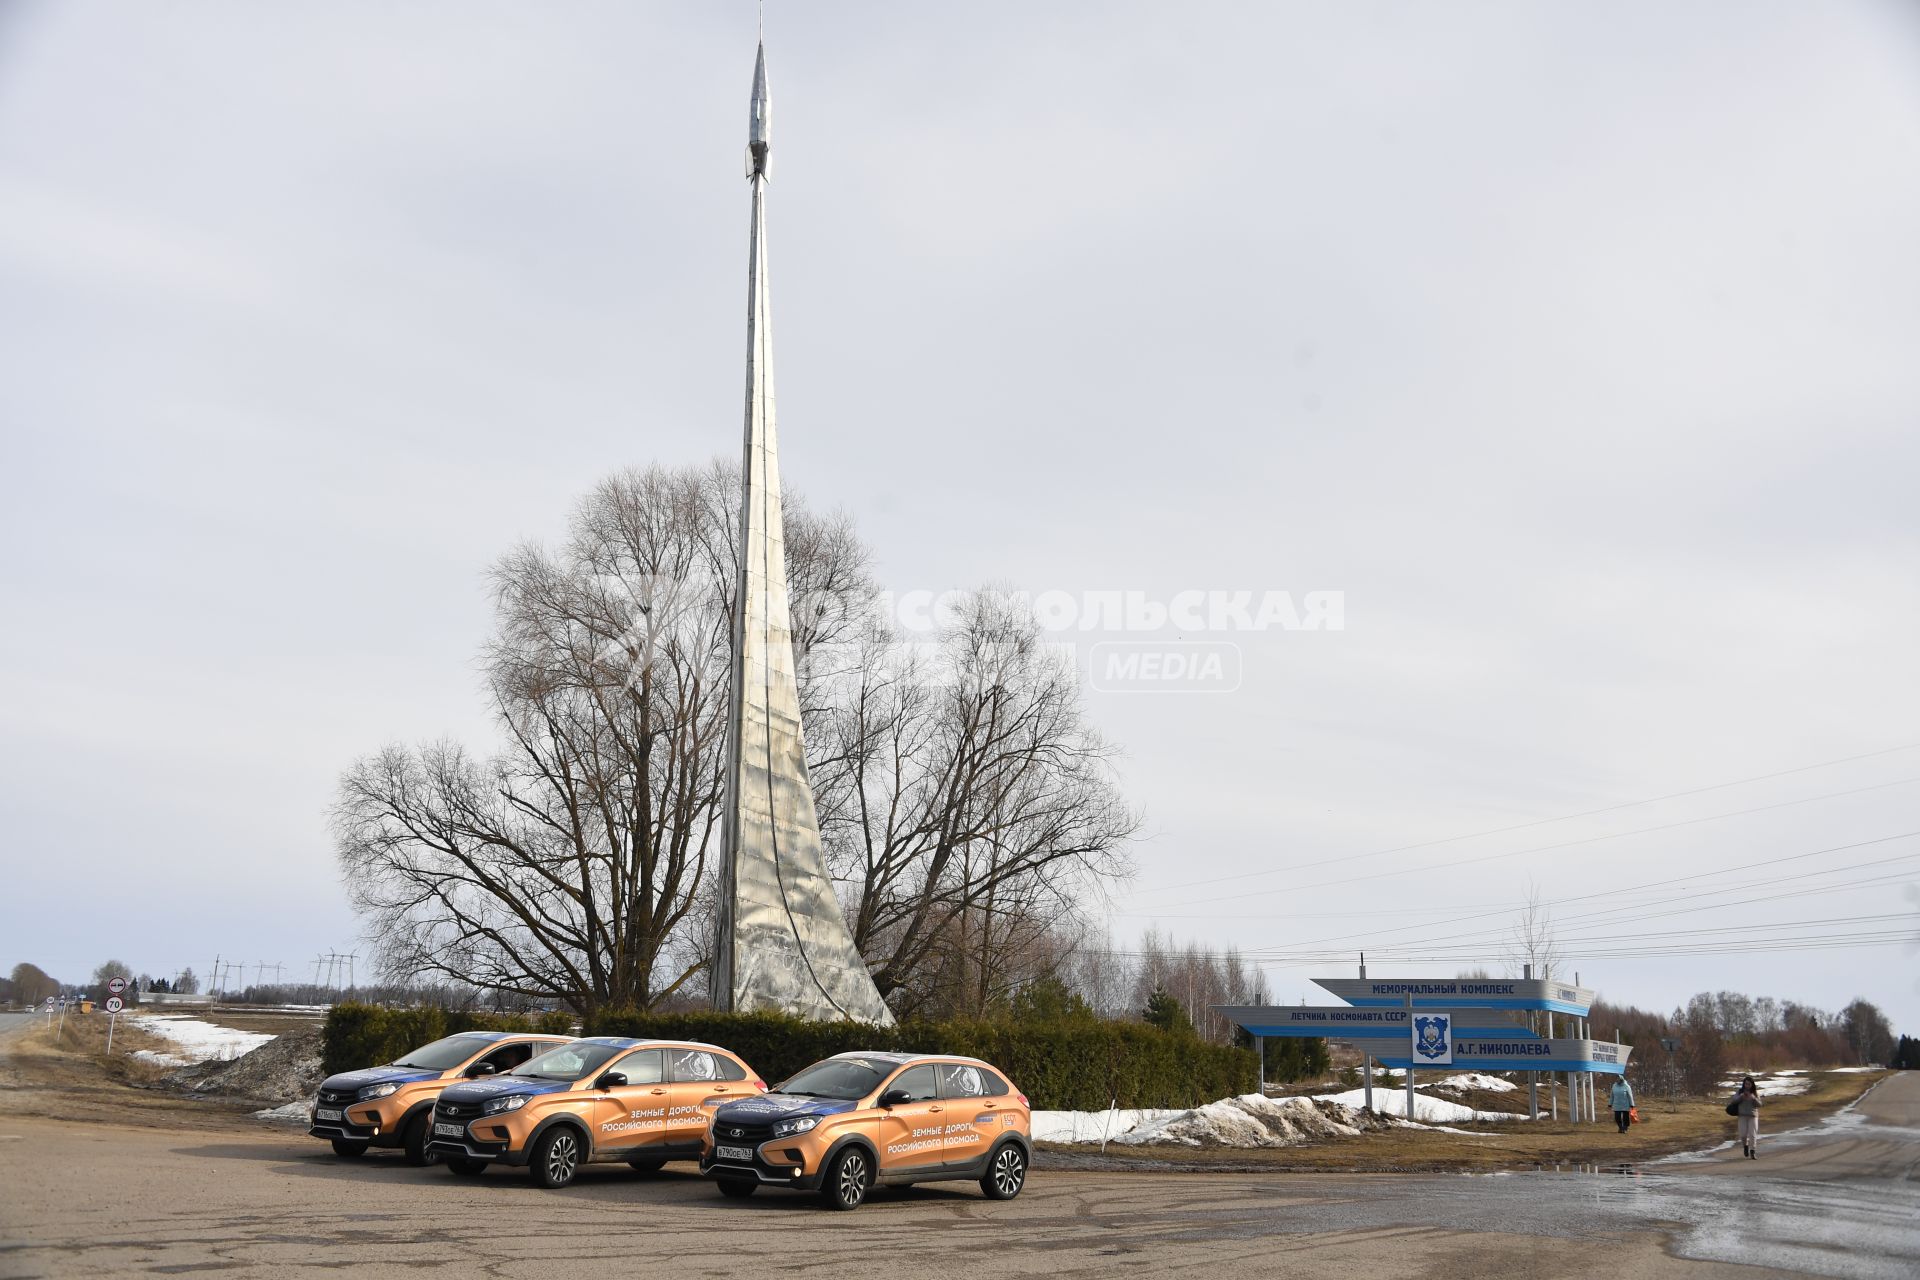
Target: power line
x,y
1545,848
1606,893
1540,822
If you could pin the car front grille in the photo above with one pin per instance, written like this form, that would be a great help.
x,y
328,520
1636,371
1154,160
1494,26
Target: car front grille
x,y
748,1135
336,1097
456,1112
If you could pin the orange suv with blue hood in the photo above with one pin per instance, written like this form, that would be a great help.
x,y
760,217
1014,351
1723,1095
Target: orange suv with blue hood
x,y
603,1098
391,1106
858,1120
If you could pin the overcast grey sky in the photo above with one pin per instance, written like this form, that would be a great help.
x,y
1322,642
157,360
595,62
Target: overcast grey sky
x,y
1576,345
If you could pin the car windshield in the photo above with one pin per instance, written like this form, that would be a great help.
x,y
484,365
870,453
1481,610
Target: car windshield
x,y
570,1061
445,1055
842,1078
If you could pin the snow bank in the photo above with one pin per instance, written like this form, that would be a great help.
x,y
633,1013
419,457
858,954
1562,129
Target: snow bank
x,y
1467,1081
1427,1110
197,1041
1092,1126
292,1113
1251,1120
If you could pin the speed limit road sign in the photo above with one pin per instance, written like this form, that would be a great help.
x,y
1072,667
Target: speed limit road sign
x,y
115,1004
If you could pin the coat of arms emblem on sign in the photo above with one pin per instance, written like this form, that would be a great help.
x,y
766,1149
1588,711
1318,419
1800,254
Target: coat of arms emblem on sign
x,y
1432,1039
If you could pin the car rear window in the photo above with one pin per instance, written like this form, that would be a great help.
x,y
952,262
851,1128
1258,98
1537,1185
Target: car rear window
x,y
964,1080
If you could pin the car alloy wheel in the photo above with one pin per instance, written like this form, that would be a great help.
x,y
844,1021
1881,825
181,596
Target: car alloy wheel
x,y
1009,1173
561,1160
850,1179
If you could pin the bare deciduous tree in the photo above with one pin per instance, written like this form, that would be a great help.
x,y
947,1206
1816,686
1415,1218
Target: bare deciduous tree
x,y
969,806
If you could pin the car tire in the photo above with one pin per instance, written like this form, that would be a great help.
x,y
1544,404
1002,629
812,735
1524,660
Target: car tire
x,y
849,1175
413,1141
647,1164
737,1188
1006,1172
557,1156
342,1147
466,1166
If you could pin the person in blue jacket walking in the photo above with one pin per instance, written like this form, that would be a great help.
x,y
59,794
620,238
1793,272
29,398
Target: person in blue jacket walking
x,y
1622,1103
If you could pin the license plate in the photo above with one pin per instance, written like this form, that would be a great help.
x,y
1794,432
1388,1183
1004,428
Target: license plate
x,y
734,1153
323,1113
449,1130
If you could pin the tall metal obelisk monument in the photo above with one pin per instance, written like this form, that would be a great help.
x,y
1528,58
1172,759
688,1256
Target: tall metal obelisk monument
x,y
783,941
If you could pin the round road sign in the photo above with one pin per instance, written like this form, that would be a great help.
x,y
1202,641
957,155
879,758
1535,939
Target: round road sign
x,y
115,1004
50,1003
116,985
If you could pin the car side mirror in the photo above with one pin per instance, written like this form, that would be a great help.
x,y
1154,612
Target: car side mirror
x,y
894,1097
610,1080
483,1069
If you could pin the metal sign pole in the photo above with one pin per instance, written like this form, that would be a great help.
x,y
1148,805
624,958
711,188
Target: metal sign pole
x,y
1409,1061
1369,1067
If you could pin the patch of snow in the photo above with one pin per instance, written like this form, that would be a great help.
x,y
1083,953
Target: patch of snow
x,y
1092,1126
1251,1120
1854,1071
1427,1110
1467,1080
291,1113
1778,1084
198,1041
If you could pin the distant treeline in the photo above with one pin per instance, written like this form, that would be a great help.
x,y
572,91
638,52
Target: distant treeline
x,y
1720,1032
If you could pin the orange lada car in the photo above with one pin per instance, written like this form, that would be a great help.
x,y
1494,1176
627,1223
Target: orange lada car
x,y
859,1120
392,1106
603,1098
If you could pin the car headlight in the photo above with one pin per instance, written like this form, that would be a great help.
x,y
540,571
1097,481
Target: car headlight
x,y
512,1102
377,1091
787,1128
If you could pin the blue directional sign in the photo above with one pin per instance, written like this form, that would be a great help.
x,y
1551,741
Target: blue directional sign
x,y
1462,993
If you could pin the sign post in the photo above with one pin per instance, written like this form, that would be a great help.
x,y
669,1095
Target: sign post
x,y
115,1004
1416,1041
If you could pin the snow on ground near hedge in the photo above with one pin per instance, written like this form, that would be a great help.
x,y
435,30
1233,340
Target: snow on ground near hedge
x,y
1427,1110
198,1041
1780,1083
1093,1126
1253,1120
1250,1120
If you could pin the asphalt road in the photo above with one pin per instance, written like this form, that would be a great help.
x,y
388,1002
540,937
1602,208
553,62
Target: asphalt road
x,y
100,1199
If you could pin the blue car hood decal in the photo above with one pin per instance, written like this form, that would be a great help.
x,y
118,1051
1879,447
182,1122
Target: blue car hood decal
x,y
499,1086
377,1075
779,1106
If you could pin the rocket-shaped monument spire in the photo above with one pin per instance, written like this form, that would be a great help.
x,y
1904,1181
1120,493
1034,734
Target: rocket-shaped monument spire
x,y
760,122
783,940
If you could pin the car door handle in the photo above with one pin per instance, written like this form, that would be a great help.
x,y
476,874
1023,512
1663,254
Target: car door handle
x,y
936,1108
659,1091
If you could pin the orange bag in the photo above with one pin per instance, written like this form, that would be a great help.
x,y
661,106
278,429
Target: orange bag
x,y
1633,1115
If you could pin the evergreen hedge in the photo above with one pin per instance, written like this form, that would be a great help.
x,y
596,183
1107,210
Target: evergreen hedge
x,y
1081,1065
362,1035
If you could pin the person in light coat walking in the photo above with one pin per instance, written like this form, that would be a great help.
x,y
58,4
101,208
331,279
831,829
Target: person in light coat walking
x,y
1622,1100
1747,1106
